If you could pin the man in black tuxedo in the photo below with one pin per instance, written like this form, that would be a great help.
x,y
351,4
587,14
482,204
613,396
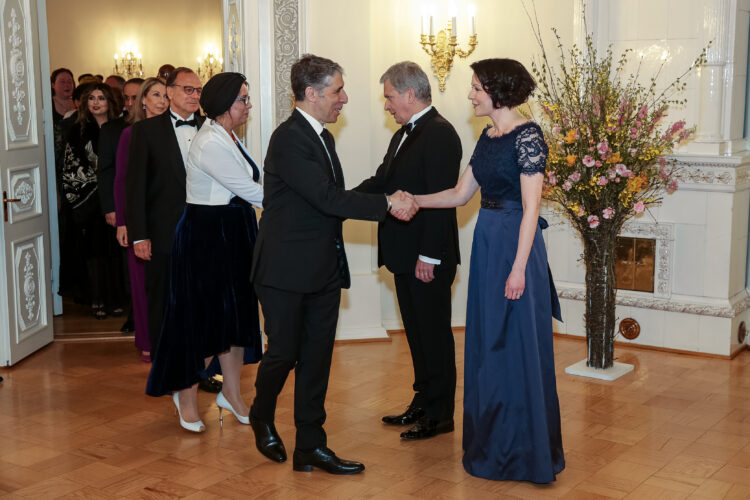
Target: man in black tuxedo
x,y
155,189
299,264
423,157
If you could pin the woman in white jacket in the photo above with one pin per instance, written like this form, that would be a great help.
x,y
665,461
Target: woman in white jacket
x,y
212,309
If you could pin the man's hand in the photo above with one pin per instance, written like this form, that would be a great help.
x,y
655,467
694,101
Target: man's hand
x,y
403,205
142,249
122,236
110,218
424,271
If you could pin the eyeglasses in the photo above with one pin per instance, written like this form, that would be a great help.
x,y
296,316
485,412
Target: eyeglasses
x,y
244,100
189,90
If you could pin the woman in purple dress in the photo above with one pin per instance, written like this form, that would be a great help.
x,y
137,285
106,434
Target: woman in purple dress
x,y
150,101
511,410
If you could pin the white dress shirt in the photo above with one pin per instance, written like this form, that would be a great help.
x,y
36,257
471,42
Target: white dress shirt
x,y
184,134
217,171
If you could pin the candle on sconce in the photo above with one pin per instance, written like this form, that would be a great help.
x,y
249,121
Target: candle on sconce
x,y
454,28
421,25
432,27
473,26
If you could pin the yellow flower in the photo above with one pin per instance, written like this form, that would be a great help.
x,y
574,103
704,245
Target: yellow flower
x,y
615,158
571,136
571,159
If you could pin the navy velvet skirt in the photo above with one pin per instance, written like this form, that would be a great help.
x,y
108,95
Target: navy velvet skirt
x,y
211,305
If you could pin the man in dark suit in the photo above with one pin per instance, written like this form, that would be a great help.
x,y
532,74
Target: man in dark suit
x,y
155,189
299,264
423,157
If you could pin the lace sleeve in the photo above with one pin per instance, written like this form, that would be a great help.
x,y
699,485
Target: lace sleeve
x,y
532,151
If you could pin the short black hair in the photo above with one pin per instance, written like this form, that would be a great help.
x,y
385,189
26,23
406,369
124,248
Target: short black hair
x,y
312,71
174,74
506,81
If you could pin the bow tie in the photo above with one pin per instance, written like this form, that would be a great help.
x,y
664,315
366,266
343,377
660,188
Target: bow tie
x,y
406,129
192,123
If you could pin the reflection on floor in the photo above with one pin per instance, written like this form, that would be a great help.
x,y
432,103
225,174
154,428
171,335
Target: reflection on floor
x,y
75,423
77,323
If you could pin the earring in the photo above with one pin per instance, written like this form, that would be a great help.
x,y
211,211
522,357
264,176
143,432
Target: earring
x,y
144,107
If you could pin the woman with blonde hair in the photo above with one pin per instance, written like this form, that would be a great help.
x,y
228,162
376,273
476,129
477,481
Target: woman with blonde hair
x,y
150,101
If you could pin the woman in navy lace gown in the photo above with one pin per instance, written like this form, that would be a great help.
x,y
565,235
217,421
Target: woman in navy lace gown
x,y
511,410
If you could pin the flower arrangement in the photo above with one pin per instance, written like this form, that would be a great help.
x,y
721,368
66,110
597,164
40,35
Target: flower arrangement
x,y
607,139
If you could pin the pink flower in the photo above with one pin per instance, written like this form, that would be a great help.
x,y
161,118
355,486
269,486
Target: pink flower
x,y
677,126
602,181
643,112
598,164
602,147
552,180
589,161
617,179
663,172
556,129
611,174
593,221
634,136
608,213
621,168
567,185
639,207
575,177
672,186
662,161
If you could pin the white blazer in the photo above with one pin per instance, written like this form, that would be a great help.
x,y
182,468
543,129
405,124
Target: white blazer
x,y
217,171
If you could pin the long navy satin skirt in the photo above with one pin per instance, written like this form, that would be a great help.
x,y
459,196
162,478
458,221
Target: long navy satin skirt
x,y
511,409
212,305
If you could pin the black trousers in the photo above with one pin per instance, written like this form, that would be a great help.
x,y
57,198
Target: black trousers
x,y
426,313
301,328
157,292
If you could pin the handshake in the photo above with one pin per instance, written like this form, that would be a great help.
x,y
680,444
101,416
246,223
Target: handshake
x,y
403,205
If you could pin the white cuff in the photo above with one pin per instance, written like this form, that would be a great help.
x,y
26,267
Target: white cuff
x,y
429,260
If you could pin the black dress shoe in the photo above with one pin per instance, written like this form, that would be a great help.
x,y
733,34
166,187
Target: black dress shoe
x,y
426,428
324,458
267,440
410,416
128,326
211,385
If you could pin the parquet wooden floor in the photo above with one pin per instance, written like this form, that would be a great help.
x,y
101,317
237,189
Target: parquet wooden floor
x,y
75,423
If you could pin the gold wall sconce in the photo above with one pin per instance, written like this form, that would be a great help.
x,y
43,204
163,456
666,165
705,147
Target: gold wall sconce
x,y
210,64
128,62
444,47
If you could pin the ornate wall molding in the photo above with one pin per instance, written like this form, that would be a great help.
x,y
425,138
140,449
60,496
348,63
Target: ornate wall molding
x,y
235,37
663,233
729,310
286,51
23,183
20,113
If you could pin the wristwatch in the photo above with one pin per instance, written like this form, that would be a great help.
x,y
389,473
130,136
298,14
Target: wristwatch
x,y
388,199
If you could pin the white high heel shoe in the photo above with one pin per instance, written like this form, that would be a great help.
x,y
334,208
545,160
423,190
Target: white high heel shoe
x,y
223,404
190,426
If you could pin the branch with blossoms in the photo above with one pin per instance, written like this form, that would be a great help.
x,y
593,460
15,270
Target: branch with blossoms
x,y
606,134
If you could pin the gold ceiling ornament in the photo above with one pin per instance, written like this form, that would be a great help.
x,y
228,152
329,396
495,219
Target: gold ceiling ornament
x,y
210,63
128,62
443,48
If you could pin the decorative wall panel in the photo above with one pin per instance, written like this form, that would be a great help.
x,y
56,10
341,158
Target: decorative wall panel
x,y
286,52
20,114
23,184
235,36
29,282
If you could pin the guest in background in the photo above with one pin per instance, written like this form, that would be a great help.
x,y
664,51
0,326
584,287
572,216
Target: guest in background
x,y
212,309
62,93
87,78
164,71
115,81
150,101
94,240
511,410
129,92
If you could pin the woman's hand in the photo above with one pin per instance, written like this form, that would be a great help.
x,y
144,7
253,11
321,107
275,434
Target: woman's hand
x,y
122,236
515,284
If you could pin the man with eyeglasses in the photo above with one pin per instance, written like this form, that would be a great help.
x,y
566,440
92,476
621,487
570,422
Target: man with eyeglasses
x,y
155,189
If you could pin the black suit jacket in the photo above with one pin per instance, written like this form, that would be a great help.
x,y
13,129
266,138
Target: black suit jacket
x,y
303,208
428,161
155,182
109,136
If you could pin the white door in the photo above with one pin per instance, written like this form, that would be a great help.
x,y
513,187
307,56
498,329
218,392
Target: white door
x,y
25,294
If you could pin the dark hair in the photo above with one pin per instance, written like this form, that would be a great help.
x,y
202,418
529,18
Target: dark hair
x,y
80,89
164,71
120,80
136,80
505,80
174,74
57,73
312,71
113,111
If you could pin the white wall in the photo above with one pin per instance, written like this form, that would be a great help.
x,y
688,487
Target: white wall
x,y
366,37
85,34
